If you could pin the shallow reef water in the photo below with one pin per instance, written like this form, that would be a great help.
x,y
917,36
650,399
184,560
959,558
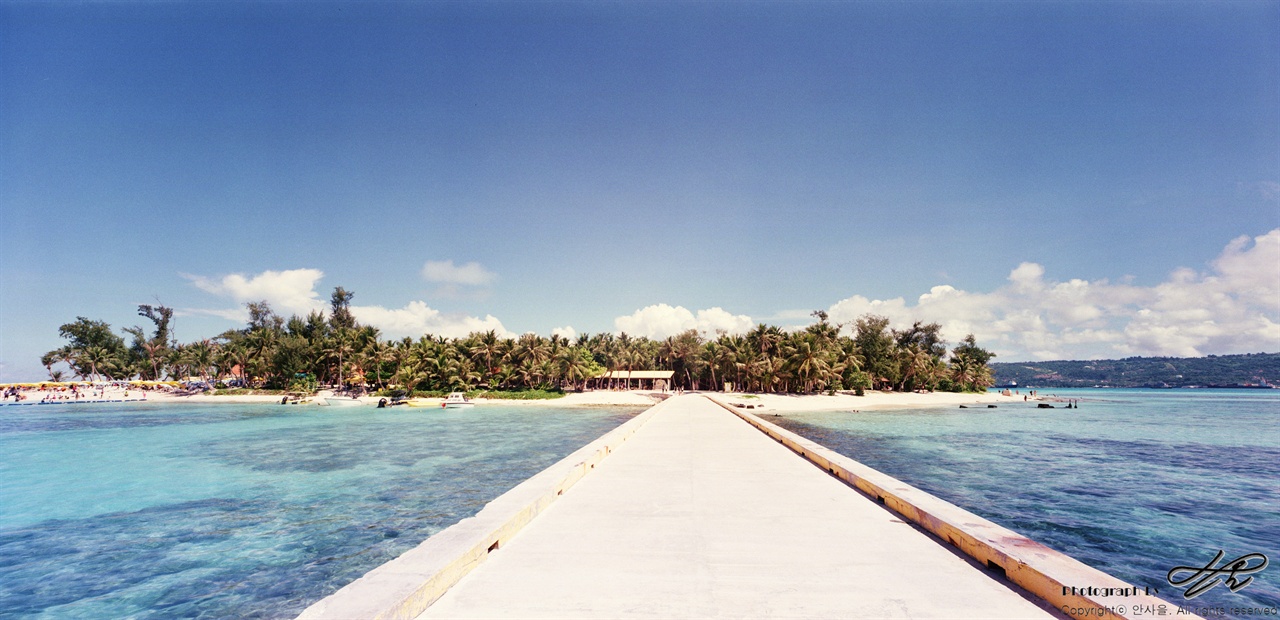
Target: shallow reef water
x,y
1134,482
247,511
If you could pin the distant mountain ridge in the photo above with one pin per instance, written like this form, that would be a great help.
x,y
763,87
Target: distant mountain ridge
x,y
1249,370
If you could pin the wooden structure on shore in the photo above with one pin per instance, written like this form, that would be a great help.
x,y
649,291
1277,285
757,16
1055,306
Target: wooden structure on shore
x,y
643,379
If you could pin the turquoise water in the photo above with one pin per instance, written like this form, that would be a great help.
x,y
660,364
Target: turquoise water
x,y
1134,482
222,511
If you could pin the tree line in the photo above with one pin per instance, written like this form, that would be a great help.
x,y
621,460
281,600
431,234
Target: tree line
x,y
333,348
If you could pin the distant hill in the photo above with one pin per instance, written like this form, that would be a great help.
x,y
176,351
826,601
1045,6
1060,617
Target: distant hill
x,y
1212,371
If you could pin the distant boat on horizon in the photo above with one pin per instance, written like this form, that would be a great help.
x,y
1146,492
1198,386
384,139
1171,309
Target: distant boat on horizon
x,y
1242,386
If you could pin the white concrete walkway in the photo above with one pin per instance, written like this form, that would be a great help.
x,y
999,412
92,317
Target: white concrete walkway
x,y
699,515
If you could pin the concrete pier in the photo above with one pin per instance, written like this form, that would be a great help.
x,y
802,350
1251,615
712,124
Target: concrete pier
x,y
694,509
701,515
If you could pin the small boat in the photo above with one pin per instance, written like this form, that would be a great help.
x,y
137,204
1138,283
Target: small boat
x,y
395,401
457,400
328,399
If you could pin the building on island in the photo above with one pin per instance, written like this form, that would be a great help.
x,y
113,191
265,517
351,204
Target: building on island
x,y
635,379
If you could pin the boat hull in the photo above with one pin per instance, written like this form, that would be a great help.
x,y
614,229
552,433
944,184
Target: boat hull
x,y
338,402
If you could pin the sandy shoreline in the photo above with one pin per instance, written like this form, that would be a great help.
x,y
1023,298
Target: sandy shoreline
x,y
772,403
874,400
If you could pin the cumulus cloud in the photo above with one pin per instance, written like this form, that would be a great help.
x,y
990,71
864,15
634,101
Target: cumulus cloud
x,y
567,332
1233,308
288,291
294,292
416,319
1027,275
662,320
445,272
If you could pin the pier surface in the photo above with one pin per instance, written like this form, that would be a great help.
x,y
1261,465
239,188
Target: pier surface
x,y
700,515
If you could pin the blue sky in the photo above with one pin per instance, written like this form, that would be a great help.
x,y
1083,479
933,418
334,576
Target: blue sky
x,y
1067,180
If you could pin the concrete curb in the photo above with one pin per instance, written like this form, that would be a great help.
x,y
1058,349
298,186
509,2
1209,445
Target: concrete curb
x,y
1045,573
404,587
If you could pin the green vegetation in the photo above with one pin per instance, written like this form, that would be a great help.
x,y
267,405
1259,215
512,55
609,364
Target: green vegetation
x,y
301,353
489,394
518,395
1214,370
250,392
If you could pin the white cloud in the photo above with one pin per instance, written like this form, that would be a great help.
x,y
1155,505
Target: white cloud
x,y
416,319
662,320
1027,275
567,332
1233,308
1255,272
657,321
445,272
294,292
717,319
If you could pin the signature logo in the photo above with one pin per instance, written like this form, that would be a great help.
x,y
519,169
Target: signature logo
x,y
1206,578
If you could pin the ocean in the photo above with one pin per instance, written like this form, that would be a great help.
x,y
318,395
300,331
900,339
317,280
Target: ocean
x,y
213,511
1133,482
245,511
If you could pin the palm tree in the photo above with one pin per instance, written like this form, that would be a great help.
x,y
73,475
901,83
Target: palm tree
x,y
155,351
176,363
711,354
626,355
531,352
341,346
528,372
770,373
726,358
969,367
765,338
199,357
914,365
69,355
97,357
375,356
825,332
62,354
459,373
810,362
408,377
260,344
574,365
234,355
487,346
747,365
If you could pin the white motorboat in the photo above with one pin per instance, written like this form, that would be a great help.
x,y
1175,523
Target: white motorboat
x,y
457,400
329,399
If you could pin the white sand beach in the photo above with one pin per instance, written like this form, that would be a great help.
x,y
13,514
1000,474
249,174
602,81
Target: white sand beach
x,y
772,403
782,403
873,400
